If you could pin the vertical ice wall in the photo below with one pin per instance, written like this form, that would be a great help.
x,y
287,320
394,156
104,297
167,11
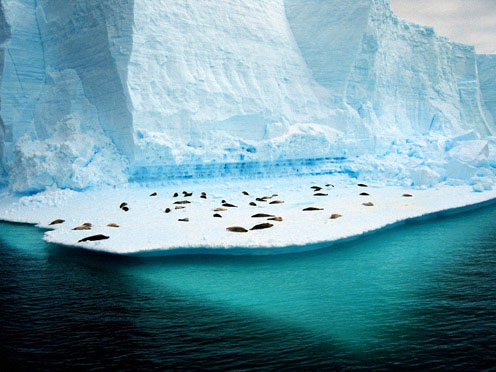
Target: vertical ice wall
x,y
4,36
401,78
23,70
64,92
204,70
94,39
87,84
487,76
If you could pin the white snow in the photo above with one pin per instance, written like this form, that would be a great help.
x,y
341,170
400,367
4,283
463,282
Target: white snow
x,y
146,229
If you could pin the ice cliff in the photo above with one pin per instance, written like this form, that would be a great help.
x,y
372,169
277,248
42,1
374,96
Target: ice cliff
x,y
99,91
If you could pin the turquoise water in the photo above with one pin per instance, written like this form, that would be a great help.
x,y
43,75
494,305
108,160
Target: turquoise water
x,y
420,295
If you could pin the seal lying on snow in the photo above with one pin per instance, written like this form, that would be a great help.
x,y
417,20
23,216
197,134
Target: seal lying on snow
x,y
262,226
84,226
56,222
237,229
262,215
93,238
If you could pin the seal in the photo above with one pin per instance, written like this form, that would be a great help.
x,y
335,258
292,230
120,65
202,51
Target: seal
x,y
278,219
238,229
56,222
407,195
203,195
335,216
167,210
122,205
228,205
262,215
93,238
277,202
179,207
311,209
183,219
316,188
113,225
246,193
125,209
153,194
368,204
84,226
187,194
329,185
217,215
182,202
220,209
320,194
175,195
253,204
262,226
362,185
364,194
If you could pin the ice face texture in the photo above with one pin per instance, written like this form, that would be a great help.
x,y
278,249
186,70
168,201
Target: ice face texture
x,y
487,75
98,91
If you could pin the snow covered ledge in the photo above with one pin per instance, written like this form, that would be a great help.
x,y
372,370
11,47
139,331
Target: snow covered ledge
x,y
145,229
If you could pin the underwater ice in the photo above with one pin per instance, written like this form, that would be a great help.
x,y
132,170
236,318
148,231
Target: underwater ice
x,y
96,93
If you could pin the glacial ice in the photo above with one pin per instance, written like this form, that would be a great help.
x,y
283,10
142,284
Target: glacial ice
x,y
96,93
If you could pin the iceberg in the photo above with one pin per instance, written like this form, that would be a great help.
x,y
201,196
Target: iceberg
x,y
102,101
202,83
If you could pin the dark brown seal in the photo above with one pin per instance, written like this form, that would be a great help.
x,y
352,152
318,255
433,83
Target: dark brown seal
x,y
84,226
262,226
262,215
93,238
57,222
237,229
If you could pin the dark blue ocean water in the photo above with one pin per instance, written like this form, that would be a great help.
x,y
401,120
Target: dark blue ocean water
x,y
420,296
